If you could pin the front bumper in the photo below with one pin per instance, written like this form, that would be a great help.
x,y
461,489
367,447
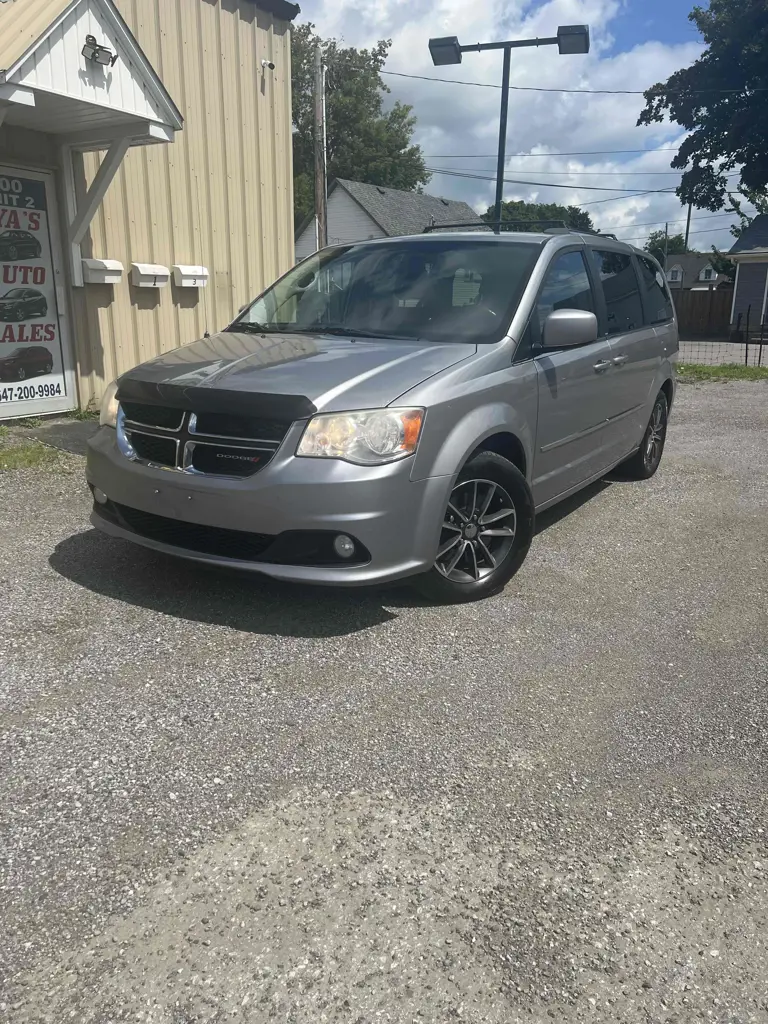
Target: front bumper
x,y
397,520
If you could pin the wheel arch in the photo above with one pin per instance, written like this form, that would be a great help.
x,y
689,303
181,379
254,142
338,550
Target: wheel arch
x,y
496,428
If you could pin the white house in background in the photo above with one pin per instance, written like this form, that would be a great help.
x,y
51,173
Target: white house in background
x,y
357,212
693,271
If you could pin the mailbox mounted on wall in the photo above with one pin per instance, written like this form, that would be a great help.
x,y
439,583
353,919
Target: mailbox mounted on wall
x,y
185,276
149,275
102,271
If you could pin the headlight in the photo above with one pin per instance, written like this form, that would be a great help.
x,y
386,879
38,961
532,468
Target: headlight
x,y
109,406
366,438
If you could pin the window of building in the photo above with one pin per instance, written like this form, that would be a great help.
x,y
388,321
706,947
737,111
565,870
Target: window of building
x,y
674,274
622,293
657,300
708,274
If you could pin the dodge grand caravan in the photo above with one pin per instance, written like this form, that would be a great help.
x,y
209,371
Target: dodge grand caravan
x,y
392,409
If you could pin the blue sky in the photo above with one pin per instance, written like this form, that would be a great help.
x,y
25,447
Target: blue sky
x,y
665,20
635,44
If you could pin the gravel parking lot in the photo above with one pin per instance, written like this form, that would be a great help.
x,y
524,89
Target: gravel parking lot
x,y
224,800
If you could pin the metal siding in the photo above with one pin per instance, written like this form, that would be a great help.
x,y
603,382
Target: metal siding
x,y
221,195
22,22
750,291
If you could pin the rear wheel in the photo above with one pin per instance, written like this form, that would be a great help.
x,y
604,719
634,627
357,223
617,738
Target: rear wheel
x,y
48,368
644,463
486,532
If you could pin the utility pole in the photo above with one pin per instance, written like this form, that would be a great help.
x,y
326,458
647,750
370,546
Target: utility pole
x,y
688,225
666,244
321,192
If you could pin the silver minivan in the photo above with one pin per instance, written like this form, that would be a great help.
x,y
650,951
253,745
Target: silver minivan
x,y
396,409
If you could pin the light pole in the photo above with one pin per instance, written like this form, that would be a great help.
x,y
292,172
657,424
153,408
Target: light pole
x,y
448,50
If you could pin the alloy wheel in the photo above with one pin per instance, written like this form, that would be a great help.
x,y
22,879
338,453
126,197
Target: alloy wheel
x,y
22,373
654,438
13,252
478,531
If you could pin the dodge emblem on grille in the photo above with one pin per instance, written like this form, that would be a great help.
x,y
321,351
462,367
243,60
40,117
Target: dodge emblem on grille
x,y
240,458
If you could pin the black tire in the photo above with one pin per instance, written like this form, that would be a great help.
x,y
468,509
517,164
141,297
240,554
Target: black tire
x,y
21,373
645,461
19,314
48,368
13,252
487,561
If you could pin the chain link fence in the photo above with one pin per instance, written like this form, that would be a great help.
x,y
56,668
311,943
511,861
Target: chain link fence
x,y
720,353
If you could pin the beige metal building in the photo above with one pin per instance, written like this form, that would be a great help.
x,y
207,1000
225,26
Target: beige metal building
x,y
145,182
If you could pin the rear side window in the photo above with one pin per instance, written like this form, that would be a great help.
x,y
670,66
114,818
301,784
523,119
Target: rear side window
x,y
622,294
658,304
566,286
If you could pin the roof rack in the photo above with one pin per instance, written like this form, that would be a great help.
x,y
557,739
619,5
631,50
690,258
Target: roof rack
x,y
547,227
501,225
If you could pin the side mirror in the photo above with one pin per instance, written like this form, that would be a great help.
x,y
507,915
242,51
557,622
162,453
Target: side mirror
x,y
566,328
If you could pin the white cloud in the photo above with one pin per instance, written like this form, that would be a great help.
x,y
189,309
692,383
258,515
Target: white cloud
x,y
461,119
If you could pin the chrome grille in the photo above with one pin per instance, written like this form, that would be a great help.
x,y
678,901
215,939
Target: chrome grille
x,y
189,442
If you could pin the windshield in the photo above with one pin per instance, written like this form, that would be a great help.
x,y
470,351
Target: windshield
x,y
434,290
14,293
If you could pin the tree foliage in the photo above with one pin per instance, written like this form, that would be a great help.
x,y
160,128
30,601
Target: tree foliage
x,y
757,199
364,142
721,100
539,213
675,245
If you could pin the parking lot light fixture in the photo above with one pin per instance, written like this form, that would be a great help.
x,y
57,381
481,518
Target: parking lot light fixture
x,y
570,39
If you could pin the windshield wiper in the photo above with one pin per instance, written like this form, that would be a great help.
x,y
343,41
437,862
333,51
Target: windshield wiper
x,y
353,332
252,327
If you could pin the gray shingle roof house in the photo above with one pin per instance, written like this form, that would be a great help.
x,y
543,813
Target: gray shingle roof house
x,y
750,290
357,211
693,270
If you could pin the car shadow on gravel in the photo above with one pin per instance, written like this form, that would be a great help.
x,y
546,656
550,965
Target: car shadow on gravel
x,y
200,593
248,602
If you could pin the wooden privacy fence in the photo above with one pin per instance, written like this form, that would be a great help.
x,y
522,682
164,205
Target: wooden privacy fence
x,y
703,313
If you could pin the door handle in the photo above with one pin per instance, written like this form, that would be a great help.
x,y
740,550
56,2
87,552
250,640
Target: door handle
x,y
601,365
619,360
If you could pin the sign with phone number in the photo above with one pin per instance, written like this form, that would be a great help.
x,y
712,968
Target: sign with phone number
x,y
24,392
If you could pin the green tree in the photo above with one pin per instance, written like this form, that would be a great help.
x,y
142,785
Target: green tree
x,y
364,142
675,245
721,101
760,202
539,213
722,265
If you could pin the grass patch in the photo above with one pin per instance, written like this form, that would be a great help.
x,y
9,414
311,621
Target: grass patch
x,y
690,372
4,431
84,415
27,455
30,422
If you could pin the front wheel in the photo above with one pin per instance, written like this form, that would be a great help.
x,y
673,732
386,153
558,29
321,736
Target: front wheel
x,y
486,532
21,373
644,463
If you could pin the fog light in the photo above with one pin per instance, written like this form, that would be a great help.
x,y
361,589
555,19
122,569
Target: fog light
x,y
99,496
344,546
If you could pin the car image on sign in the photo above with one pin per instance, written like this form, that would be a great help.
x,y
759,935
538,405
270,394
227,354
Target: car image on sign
x,y
19,245
22,304
26,362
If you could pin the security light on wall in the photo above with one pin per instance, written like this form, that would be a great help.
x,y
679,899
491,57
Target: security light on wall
x,y
97,53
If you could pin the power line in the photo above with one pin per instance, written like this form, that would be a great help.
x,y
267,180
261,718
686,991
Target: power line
x,y
703,231
564,170
539,88
680,220
585,152
541,184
